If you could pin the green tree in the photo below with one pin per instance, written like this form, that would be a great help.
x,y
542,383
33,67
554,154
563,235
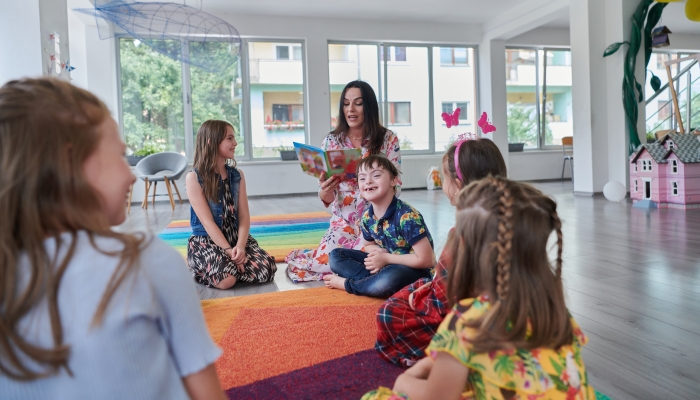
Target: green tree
x,y
522,126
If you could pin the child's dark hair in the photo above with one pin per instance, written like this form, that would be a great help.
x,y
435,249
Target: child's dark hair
x,y
381,161
477,158
503,228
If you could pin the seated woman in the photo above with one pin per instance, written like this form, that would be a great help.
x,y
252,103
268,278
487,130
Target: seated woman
x,y
359,128
220,251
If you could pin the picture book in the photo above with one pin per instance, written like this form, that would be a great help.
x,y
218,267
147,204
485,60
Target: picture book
x,y
315,161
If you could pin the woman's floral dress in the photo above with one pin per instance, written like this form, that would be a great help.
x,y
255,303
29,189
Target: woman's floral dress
x,y
542,374
347,208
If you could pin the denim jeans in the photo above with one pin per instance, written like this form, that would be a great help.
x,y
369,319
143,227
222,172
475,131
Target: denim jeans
x,y
350,264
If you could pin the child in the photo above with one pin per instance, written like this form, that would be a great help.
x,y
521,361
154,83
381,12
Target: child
x,y
86,312
399,248
408,320
511,335
220,251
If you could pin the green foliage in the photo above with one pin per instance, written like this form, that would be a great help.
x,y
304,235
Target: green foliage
x,y
613,48
522,126
406,143
148,149
152,103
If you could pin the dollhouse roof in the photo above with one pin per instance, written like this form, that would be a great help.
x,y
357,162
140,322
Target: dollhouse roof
x,y
686,147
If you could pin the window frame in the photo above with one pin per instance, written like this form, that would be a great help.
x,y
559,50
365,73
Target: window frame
x,y
383,84
674,167
244,62
674,188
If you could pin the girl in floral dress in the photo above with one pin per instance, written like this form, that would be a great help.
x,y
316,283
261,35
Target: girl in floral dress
x,y
221,251
510,336
407,321
358,127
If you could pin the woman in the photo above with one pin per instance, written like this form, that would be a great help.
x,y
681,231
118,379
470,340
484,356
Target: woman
x,y
358,127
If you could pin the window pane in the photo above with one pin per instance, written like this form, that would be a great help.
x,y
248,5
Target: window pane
x,y
218,96
410,83
460,55
400,113
453,87
522,102
349,62
446,55
283,52
399,53
557,109
276,98
151,88
297,52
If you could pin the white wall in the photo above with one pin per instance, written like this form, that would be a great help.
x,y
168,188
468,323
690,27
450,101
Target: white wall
x,y
542,36
20,54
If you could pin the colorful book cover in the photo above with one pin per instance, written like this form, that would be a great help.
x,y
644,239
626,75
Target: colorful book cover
x,y
315,161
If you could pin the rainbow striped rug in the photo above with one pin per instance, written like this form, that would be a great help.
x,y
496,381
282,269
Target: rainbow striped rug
x,y
278,234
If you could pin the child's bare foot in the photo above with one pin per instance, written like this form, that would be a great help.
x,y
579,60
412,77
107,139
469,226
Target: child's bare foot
x,y
334,282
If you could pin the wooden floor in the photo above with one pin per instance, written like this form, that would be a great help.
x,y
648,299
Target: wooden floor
x,y
632,279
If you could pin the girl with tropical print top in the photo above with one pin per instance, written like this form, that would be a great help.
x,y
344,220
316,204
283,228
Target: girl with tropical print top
x,y
509,336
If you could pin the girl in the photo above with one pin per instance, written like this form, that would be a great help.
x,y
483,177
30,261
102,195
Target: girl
x,y
358,127
408,320
220,251
86,312
511,335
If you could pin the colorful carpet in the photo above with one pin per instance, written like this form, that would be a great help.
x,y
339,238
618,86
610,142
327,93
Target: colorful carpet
x,y
295,345
301,344
277,234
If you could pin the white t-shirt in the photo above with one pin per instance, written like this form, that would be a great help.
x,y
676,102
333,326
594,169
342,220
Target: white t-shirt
x,y
152,335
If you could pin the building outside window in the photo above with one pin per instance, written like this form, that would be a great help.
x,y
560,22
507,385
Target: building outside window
x,y
453,56
538,85
153,86
404,89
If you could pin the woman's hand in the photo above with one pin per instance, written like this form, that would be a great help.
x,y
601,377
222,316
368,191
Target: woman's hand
x,y
421,369
238,257
328,187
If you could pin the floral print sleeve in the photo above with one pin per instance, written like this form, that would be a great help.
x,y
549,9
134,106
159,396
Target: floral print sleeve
x,y
539,373
392,150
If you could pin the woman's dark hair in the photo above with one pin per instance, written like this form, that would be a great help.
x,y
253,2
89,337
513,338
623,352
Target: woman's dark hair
x,y
373,129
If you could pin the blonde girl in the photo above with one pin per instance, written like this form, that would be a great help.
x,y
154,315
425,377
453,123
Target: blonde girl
x,y
86,312
221,251
510,334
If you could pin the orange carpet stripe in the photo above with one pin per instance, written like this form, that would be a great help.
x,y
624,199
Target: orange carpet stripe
x,y
220,313
265,342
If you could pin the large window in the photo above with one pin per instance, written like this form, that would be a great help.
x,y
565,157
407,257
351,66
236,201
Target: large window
x,y
164,102
538,84
414,85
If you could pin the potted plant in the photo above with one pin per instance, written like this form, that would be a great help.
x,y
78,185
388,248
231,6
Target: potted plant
x,y
287,153
651,138
143,152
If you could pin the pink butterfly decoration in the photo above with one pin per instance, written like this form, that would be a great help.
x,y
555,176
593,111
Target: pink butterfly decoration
x,y
451,119
485,125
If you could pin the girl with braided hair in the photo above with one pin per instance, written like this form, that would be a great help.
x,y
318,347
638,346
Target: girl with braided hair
x,y
509,336
408,320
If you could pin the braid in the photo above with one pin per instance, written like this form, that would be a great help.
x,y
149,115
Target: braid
x,y
556,223
505,238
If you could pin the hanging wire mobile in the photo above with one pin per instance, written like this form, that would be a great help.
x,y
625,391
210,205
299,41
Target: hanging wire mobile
x,y
214,44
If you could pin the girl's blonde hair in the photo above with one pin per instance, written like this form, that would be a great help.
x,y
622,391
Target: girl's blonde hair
x,y
48,128
209,137
501,249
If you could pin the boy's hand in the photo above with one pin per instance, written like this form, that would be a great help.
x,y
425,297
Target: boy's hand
x,y
421,369
376,260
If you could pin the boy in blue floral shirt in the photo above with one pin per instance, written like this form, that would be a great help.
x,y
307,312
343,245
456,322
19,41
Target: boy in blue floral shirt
x,y
398,249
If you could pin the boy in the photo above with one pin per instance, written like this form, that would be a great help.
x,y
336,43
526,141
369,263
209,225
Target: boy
x,y
398,249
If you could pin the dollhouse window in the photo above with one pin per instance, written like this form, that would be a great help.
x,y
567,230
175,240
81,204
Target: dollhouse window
x,y
674,188
649,165
674,166
636,188
670,144
635,167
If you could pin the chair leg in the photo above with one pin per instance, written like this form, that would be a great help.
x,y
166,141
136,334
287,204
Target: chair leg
x,y
155,186
563,168
144,204
128,204
177,191
170,192
571,164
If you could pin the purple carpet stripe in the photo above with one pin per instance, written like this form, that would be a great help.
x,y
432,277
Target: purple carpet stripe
x,y
347,377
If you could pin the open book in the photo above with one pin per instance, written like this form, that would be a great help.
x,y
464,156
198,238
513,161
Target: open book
x,y
315,161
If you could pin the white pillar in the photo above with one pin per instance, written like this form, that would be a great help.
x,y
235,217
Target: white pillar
x,y
318,96
492,89
600,136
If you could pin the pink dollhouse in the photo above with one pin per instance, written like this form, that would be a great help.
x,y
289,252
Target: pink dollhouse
x,y
666,174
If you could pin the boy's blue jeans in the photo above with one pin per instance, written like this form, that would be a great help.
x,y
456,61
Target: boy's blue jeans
x,y
350,264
